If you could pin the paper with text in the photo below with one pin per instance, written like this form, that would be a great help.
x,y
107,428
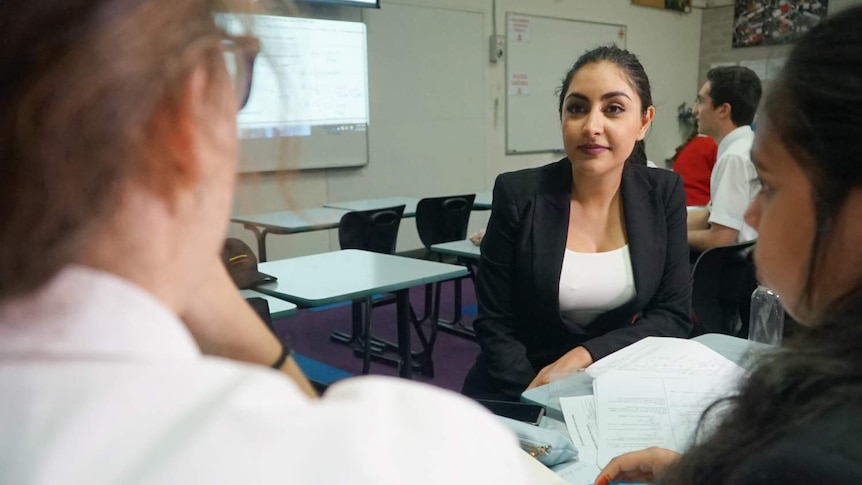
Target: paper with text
x,y
580,415
636,410
667,355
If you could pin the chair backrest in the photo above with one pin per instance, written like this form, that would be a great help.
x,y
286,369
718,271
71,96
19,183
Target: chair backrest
x,y
443,219
372,230
723,279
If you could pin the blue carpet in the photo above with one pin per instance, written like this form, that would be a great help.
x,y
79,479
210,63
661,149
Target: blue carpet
x,y
317,371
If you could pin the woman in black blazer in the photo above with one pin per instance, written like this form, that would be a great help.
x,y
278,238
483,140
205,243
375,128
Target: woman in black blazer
x,y
590,202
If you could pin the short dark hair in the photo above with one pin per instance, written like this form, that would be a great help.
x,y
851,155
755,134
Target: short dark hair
x,y
636,73
737,86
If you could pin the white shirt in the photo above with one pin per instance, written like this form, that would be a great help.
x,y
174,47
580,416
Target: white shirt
x,y
593,283
100,383
733,184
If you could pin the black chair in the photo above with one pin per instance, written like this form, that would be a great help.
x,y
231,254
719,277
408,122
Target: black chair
x,y
723,279
371,230
440,220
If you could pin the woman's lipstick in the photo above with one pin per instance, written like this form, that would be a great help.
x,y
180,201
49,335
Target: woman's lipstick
x,y
592,149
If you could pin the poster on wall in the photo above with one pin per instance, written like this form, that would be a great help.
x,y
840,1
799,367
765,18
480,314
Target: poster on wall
x,y
772,22
679,5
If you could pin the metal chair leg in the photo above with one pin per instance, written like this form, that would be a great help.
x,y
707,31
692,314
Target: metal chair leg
x,y
366,336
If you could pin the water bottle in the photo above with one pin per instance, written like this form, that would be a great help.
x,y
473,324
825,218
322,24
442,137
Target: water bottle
x,y
767,317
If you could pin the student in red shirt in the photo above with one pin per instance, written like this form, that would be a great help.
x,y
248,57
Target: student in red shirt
x,y
694,162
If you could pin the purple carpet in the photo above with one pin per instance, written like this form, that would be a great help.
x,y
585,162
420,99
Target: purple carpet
x,y
453,355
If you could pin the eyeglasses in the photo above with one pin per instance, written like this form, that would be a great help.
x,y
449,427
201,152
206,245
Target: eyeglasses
x,y
239,55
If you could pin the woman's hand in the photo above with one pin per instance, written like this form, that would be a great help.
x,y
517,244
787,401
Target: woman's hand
x,y
573,360
637,466
476,238
225,325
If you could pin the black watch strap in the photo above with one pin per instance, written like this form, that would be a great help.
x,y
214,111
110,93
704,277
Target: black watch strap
x,y
286,350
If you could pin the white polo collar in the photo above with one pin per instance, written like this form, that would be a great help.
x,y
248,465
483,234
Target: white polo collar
x,y
86,313
739,133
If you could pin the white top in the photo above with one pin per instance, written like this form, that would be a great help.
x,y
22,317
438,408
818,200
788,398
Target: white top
x,y
593,283
733,184
102,384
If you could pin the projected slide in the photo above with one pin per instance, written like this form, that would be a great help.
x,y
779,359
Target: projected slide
x,y
349,3
310,73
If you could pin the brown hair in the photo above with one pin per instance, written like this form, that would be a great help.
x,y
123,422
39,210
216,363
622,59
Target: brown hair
x,y
80,83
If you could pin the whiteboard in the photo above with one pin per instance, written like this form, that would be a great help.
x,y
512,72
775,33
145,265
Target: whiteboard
x,y
539,52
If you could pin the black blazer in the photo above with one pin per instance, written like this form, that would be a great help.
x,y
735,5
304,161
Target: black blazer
x,y
519,326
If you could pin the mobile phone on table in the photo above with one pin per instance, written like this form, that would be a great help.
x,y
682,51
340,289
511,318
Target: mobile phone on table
x,y
528,413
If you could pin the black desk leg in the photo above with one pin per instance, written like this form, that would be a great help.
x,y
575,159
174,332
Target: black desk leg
x,y
405,367
261,241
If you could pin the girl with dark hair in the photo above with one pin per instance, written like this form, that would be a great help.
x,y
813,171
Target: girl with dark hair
x,y
588,254
798,417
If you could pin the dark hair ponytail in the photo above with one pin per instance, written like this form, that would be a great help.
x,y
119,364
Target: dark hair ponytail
x,y
814,108
638,156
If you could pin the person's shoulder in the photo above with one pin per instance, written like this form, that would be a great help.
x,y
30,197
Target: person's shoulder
x,y
531,177
410,421
703,141
656,177
825,450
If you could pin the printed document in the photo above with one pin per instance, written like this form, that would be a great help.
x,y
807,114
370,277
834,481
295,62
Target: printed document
x,y
666,355
651,393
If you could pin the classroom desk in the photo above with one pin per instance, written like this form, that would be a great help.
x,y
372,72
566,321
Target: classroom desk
x,y
483,200
467,254
581,384
326,278
463,249
370,204
288,222
278,308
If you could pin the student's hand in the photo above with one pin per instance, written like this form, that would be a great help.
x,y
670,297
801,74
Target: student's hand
x,y
223,324
476,238
637,466
575,359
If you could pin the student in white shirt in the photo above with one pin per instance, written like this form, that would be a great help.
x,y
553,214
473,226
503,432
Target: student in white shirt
x,y
121,334
724,109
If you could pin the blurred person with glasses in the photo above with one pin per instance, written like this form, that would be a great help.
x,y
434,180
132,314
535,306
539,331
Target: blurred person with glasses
x,y
126,352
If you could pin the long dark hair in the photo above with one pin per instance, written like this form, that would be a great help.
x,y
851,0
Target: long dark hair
x,y
629,63
814,107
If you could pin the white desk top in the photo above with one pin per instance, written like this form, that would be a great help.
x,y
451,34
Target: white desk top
x,y
289,222
277,308
483,200
581,384
463,248
322,279
364,205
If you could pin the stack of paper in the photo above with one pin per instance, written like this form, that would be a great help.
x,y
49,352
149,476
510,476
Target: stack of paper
x,y
651,393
